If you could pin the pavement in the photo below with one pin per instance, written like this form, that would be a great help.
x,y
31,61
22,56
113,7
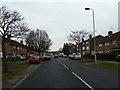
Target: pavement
x,y
65,73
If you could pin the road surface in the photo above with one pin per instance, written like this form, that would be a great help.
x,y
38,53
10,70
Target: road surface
x,y
65,73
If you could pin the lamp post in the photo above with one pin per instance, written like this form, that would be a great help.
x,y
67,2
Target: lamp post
x,y
93,34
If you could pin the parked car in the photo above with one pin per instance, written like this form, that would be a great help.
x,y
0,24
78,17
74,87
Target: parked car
x,y
61,54
13,58
70,56
34,59
55,56
41,58
76,56
64,56
21,58
47,57
118,57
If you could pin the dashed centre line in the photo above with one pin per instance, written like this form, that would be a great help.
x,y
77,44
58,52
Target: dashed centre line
x,y
78,77
83,81
65,66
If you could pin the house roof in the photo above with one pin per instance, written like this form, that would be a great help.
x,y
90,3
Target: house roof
x,y
99,39
102,39
113,37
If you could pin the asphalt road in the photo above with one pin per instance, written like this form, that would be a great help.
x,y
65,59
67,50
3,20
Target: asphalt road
x,y
65,73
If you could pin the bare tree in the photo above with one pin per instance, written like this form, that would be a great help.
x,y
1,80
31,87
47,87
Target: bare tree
x,y
11,25
77,37
39,40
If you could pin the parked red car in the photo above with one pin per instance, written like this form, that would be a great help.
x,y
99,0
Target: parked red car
x,y
41,58
34,59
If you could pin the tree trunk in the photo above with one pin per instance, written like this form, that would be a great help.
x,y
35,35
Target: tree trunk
x,y
75,49
81,49
4,66
26,56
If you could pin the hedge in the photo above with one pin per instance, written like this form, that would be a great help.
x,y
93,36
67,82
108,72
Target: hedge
x,y
106,56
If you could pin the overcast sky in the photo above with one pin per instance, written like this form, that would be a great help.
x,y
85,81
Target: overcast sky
x,y
60,18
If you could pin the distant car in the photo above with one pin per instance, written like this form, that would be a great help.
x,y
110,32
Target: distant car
x,y
76,56
64,56
118,57
47,57
70,56
61,54
34,59
56,56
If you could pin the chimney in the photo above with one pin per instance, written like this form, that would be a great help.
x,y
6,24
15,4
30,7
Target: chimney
x,y
110,33
82,40
21,42
90,36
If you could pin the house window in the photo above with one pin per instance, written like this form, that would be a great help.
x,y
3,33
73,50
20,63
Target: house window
x,y
83,53
107,44
18,47
87,42
87,47
83,43
100,51
107,51
14,54
0,54
114,42
100,45
14,46
83,48
0,46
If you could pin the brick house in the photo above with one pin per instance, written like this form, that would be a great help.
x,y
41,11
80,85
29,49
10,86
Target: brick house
x,y
104,44
14,48
110,43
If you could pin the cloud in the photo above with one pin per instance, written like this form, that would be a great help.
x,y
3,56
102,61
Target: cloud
x,y
60,18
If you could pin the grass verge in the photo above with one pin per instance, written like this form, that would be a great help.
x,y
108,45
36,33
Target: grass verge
x,y
111,66
0,76
20,65
8,75
83,60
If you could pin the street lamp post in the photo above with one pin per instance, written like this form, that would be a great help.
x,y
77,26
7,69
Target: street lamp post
x,y
95,57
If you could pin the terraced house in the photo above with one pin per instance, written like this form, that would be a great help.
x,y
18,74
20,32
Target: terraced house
x,y
14,48
109,43
104,44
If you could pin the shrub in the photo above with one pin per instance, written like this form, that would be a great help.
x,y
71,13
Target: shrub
x,y
106,56
88,56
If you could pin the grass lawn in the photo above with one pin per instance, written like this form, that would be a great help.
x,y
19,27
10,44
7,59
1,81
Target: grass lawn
x,y
83,60
20,65
7,75
111,66
0,76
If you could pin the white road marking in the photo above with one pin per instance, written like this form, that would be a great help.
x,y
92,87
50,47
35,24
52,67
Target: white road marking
x,y
25,77
61,62
65,66
83,81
